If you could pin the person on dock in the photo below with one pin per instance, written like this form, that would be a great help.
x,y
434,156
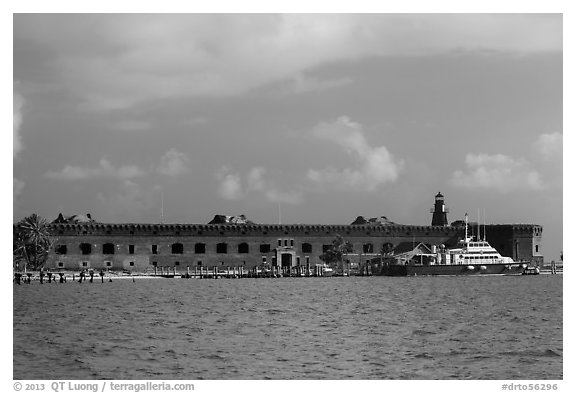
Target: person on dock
x,y
102,275
82,276
91,272
61,277
42,276
553,266
17,277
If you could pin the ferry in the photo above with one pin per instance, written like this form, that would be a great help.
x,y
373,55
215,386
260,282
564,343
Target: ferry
x,y
470,257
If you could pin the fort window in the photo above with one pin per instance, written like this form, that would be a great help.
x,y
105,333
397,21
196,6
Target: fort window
x,y
279,242
60,264
221,248
243,248
131,249
154,263
177,263
199,263
264,259
84,264
537,247
177,248
368,248
154,249
108,248
86,248
306,248
108,263
285,242
61,249
292,242
264,248
131,263
200,248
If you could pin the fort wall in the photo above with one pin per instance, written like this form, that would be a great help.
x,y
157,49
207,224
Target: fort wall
x,y
145,247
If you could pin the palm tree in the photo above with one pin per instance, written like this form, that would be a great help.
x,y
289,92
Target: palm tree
x,y
32,241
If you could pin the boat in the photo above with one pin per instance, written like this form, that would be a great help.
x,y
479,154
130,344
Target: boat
x,y
531,271
470,257
323,270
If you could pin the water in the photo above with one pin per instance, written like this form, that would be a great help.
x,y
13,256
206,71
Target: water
x,y
301,328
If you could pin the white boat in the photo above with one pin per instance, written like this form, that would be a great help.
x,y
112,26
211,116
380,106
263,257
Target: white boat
x,y
468,258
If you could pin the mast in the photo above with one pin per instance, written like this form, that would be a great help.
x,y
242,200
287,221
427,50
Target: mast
x,y
484,224
466,227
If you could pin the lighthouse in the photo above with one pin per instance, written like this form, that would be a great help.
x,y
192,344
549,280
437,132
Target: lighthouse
x,y
439,212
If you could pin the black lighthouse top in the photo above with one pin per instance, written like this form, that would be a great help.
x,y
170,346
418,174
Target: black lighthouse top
x,y
439,212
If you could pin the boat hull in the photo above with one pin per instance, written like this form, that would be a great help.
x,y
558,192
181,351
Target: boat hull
x,y
452,270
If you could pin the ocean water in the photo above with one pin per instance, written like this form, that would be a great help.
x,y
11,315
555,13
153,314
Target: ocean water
x,y
499,327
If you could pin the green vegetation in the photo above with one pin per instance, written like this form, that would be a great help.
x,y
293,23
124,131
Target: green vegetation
x,y
333,256
31,243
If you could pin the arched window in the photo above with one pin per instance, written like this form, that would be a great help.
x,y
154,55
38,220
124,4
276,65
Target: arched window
x,y
61,249
306,248
177,248
368,248
108,248
86,248
200,248
264,248
243,248
221,248
387,248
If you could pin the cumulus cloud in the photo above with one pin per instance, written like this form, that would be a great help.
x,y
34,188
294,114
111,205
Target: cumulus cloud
x,y
549,146
18,103
375,166
139,57
232,187
503,173
497,172
173,163
104,170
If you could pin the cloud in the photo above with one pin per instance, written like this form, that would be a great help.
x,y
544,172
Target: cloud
x,y
119,60
497,172
231,186
18,103
104,170
549,147
375,166
173,163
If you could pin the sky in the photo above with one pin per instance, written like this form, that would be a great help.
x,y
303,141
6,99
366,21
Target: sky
x,y
291,118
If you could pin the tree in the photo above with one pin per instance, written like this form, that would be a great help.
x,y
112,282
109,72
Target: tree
x,y
32,241
334,254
